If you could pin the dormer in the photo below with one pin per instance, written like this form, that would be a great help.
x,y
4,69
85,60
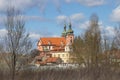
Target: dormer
x,y
49,43
62,44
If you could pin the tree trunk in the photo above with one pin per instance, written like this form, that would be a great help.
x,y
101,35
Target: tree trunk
x,y
13,65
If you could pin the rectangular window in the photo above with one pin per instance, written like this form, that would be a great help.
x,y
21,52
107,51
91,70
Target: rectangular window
x,y
66,55
62,55
58,55
48,47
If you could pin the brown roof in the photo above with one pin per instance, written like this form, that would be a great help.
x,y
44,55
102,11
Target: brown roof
x,y
53,41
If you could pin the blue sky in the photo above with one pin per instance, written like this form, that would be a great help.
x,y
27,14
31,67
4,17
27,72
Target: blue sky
x,y
46,18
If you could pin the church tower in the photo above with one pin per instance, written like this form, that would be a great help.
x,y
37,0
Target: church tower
x,y
64,33
70,35
69,39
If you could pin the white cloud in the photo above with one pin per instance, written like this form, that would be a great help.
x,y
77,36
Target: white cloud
x,y
18,4
61,19
38,18
92,2
73,18
34,36
110,31
55,35
77,17
3,4
26,4
3,33
88,2
106,30
84,25
115,16
42,4
25,18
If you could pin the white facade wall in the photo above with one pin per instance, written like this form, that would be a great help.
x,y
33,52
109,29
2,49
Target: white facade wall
x,y
65,56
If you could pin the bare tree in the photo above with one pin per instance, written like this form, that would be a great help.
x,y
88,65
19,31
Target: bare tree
x,y
116,42
93,39
17,40
87,48
78,50
115,48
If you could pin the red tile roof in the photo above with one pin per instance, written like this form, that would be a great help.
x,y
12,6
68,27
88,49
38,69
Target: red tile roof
x,y
53,41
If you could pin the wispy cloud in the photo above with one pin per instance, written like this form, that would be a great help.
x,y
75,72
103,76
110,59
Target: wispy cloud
x,y
34,36
106,30
34,18
3,33
42,4
61,19
110,31
18,4
115,16
83,25
77,16
26,18
26,4
88,2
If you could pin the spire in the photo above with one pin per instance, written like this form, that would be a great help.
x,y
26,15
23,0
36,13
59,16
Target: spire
x,y
64,31
65,27
70,31
70,26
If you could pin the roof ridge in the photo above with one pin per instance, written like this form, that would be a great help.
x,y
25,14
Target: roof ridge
x,y
52,37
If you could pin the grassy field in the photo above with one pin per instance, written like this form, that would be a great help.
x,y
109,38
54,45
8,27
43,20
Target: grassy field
x,y
64,74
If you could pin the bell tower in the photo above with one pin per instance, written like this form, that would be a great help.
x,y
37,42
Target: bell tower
x,y
69,38
64,33
70,35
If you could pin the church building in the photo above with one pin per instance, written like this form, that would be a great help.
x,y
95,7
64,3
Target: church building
x,y
62,43
58,46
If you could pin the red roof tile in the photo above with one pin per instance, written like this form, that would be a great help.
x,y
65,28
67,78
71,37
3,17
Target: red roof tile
x,y
53,41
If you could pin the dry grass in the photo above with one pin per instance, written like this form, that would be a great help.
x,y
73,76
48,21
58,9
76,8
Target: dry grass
x,y
64,74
